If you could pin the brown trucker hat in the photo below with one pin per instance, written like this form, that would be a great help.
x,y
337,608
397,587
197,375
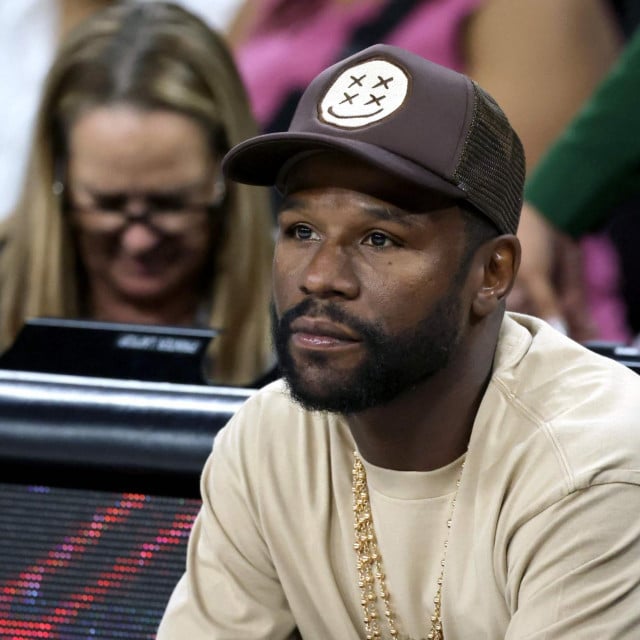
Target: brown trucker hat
x,y
404,115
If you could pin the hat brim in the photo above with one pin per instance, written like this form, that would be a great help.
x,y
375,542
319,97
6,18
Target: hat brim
x,y
260,160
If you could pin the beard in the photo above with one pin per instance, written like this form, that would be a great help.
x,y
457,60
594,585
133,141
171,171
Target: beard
x,y
393,362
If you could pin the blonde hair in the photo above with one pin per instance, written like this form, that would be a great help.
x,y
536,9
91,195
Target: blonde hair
x,y
153,56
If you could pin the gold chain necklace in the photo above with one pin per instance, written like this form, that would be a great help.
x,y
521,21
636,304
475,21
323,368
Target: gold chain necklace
x,y
369,561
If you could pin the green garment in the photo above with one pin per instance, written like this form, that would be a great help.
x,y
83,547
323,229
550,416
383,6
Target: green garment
x,y
595,163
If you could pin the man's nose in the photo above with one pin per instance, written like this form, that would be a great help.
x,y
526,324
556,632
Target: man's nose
x,y
330,272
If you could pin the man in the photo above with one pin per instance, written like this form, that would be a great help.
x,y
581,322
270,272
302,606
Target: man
x,y
430,467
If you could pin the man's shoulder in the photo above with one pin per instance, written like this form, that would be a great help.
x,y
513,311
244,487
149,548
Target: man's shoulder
x,y
272,399
583,408
551,375
272,444
271,418
269,404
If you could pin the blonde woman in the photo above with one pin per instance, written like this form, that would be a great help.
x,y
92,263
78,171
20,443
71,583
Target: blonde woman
x,y
125,215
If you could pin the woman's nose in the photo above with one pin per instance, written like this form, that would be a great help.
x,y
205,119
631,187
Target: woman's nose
x,y
138,237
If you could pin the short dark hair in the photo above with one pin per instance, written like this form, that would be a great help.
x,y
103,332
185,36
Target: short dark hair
x,y
478,229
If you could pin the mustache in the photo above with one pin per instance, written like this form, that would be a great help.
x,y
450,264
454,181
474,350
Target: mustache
x,y
313,309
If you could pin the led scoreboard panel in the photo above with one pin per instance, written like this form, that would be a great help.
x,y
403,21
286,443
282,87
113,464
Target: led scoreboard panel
x,y
88,564
98,492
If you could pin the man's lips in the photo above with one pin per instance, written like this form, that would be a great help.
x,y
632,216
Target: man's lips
x,y
317,332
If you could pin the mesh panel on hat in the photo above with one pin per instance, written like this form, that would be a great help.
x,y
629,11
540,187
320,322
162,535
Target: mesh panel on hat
x,y
491,169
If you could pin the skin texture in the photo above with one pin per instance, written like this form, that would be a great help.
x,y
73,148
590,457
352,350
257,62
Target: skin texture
x,y
386,253
540,60
549,282
139,274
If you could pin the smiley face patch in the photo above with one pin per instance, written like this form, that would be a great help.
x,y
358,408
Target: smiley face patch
x,y
364,93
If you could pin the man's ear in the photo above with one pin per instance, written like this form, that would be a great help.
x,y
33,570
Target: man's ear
x,y
500,258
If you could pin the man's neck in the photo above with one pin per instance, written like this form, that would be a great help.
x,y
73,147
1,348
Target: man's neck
x,y
428,426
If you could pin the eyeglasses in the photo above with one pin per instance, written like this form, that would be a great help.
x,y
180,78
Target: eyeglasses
x,y
166,214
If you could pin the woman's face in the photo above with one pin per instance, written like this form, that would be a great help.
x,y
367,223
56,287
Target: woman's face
x,y
139,184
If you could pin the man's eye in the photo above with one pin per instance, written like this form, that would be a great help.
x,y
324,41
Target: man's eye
x,y
379,240
303,232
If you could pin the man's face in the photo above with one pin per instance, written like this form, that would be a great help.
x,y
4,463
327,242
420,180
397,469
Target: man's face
x,y
369,296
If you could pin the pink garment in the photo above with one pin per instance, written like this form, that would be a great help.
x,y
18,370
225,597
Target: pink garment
x,y
282,56
601,270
